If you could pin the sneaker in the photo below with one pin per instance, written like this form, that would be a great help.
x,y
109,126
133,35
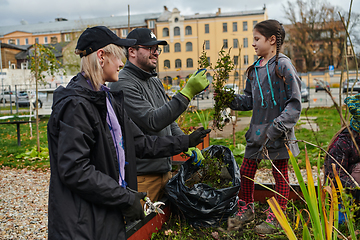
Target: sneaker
x,y
244,215
269,226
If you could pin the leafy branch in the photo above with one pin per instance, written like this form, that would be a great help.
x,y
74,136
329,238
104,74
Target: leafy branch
x,y
222,97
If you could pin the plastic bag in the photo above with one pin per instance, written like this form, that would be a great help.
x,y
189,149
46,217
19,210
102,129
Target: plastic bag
x,y
202,205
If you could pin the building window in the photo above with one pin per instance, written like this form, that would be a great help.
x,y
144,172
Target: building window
x,y
245,27
236,60
165,32
254,23
255,57
234,26
207,44
166,48
151,24
207,30
225,43
177,63
176,31
26,41
67,37
36,40
53,40
189,63
224,27
167,64
188,30
17,41
208,59
124,32
236,75
245,42
177,47
189,47
246,60
45,40
235,43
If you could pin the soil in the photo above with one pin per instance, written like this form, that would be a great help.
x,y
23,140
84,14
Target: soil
x,y
177,228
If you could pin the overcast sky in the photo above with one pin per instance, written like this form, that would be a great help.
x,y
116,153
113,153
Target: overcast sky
x,y
35,11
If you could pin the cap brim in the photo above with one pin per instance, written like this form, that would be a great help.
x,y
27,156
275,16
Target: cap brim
x,y
125,42
153,43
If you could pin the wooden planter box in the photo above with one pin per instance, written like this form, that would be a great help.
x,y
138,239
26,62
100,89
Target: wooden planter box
x,y
180,158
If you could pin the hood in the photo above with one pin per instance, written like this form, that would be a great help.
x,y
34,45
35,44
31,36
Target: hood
x,y
79,87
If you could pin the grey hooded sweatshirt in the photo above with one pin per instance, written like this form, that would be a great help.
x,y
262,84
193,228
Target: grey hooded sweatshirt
x,y
276,106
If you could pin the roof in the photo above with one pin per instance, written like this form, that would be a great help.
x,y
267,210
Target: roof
x,y
136,20
215,15
12,46
30,51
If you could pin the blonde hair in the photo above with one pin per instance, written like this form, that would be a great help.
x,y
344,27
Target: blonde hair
x,y
91,66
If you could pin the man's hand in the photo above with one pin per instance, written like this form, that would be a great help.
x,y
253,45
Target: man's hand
x,y
196,154
197,136
196,83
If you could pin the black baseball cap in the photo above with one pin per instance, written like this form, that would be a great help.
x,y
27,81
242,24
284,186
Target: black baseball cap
x,y
145,37
92,39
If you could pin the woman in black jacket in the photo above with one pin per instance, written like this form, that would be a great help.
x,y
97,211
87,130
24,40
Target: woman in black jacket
x,y
93,145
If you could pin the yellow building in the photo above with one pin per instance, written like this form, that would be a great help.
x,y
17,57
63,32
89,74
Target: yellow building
x,y
186,36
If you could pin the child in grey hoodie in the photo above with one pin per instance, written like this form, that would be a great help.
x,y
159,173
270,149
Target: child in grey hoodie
x,y
273,93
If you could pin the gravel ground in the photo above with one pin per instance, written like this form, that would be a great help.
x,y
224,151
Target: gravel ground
x,y
23,204
24,199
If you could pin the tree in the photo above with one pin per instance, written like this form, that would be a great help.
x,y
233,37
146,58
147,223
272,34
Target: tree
x,y
316,34
42,61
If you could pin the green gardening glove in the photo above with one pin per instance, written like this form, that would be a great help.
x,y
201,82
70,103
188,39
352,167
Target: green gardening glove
x,y
196,154
196,83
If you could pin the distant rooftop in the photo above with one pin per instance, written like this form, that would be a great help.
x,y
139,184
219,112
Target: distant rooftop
x,y
64,26
220,14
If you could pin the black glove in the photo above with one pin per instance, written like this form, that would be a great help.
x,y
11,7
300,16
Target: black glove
x,y
197,136
135,211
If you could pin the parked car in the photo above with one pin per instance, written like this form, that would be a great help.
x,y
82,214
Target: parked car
x,y
25,97
5,96
321,85
349,83
203,94
232,86
304,92
173,91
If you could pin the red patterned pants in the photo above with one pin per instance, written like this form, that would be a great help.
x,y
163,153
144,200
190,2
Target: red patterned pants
x,y
248,169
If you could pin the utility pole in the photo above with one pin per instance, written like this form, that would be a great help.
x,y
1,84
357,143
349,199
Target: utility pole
x,y
2,79
128,18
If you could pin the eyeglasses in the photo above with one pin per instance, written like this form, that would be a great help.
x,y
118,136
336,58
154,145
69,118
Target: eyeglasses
x,y
152,49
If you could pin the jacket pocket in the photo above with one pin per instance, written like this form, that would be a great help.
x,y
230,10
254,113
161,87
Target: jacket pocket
x,y
256,135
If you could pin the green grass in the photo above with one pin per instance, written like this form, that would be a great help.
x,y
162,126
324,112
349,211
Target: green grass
x,y
9,148
327,118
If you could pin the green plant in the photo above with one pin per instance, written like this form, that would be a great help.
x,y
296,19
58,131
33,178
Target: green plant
x,y
34,155
42,60
321,207
222,97
211,172
204,118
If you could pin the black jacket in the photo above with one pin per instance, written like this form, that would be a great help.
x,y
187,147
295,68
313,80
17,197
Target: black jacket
x,y
85,198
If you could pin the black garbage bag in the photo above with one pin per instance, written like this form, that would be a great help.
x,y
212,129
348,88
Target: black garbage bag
x,y
202,205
